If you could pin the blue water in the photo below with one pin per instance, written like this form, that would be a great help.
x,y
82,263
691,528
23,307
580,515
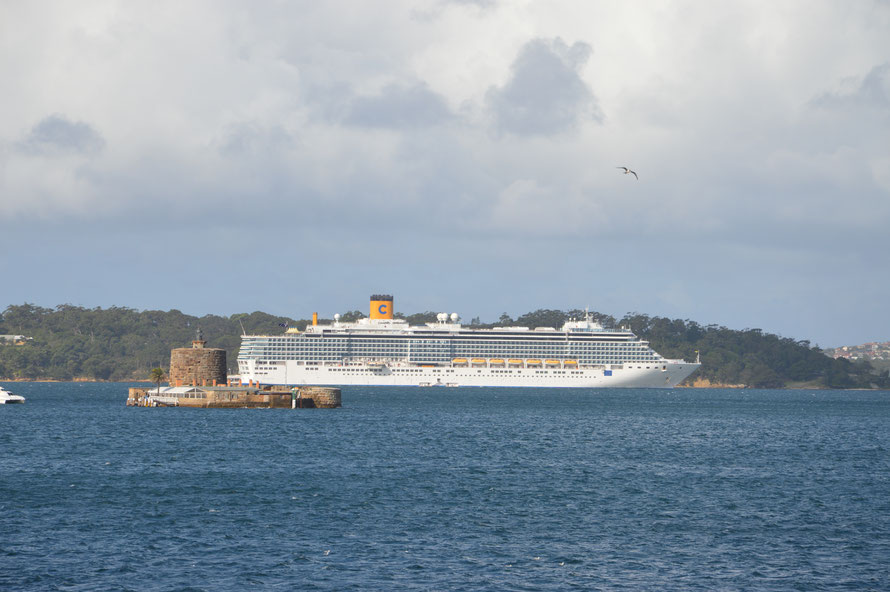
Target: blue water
x,y
448,489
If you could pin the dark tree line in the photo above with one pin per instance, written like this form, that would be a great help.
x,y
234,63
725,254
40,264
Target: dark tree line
x,y
748,357
70,342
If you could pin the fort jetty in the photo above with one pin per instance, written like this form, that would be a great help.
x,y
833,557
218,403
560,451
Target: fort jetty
x,y
197,378
275,397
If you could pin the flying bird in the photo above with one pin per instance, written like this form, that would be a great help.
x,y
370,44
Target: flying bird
x,y
627,171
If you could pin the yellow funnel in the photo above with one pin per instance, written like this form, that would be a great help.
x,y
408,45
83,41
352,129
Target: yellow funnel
x,y
381,306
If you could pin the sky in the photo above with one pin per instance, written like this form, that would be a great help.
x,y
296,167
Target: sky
x,y
225,156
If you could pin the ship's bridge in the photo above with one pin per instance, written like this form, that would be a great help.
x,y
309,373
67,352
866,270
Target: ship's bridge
x,y
583,326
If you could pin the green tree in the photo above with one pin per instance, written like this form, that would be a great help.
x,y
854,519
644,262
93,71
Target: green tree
x,y
542,318
421,318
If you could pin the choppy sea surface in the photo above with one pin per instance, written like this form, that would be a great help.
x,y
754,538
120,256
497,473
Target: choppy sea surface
x,y
448,489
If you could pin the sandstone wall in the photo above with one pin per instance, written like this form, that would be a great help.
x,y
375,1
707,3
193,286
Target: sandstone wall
x,y
321,396
199,366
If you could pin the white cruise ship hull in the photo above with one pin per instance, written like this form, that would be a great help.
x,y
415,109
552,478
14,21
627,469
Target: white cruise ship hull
x,y
381,350
665,375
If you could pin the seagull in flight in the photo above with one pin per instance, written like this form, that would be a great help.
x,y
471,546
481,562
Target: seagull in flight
x,y
627,171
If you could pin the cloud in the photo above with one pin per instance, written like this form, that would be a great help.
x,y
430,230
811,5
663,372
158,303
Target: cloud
x,y
56,135
399,107
251,138
528,207
481,4
873,91
545,94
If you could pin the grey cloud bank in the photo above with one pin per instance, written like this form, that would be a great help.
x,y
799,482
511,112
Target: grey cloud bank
x,y
458,154
872,91
55,135
544,95
398,107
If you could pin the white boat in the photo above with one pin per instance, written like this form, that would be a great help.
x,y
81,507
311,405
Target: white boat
x,y
385,351
7,397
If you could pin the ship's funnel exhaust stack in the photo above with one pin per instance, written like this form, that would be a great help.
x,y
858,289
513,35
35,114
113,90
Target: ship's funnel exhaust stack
x,y
381,306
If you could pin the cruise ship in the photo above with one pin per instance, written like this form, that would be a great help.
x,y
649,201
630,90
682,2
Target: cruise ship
x,y
385,351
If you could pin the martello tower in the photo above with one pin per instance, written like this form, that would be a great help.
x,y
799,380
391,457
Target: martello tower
x,y
197,365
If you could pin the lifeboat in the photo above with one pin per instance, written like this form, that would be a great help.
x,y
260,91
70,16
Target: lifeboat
x,y
553,362
515,362
572,363
459,361
478,361
533,362
496,362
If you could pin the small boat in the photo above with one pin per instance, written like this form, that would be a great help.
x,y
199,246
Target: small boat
x,y
7,397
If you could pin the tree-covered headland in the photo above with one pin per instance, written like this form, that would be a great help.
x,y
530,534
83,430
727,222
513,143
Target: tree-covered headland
x,y
75,343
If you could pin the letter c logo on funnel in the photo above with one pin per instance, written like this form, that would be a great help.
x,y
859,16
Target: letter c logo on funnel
x,y
382,309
